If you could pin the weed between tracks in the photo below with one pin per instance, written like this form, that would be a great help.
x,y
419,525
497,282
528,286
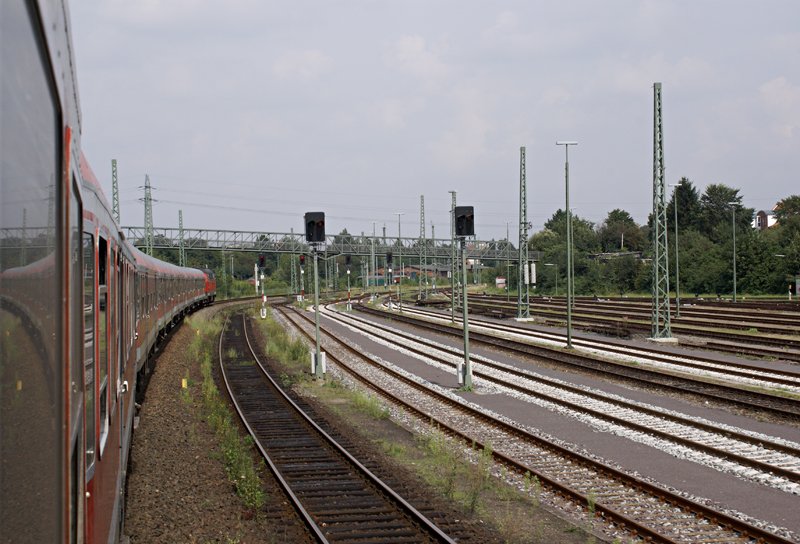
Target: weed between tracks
x,y
236,451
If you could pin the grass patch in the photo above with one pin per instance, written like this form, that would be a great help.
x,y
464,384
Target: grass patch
x,y
370,405
236,451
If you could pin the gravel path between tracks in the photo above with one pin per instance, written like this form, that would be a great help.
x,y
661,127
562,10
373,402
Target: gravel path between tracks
x,y
178,490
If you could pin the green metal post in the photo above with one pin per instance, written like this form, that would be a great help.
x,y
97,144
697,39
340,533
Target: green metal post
x,y
453,267
733,223
570,286
465,318
318,365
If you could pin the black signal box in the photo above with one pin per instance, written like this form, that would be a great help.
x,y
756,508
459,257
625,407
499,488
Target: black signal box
x,y
389,257
465,221
315,226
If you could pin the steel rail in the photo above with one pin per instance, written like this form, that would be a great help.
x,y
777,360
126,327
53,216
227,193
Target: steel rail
x,y
643,531
417,517
791,475
722,392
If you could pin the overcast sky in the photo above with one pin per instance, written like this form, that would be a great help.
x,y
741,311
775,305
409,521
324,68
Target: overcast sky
x,y
248,113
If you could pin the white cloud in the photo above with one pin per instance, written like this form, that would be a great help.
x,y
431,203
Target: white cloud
x,y
177,14
782,101
466,143
394,112
304,65
631,76
786,43
411,54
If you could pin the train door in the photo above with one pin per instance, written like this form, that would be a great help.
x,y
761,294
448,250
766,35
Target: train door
x,y
76,442
122,387
90,423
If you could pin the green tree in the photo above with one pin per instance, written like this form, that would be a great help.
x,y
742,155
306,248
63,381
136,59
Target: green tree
x,y
704,269
689,207
717,204
619,232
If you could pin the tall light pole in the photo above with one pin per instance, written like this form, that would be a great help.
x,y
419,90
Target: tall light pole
x,y
453,255
553,264
733,227
566,145
677,262
400,265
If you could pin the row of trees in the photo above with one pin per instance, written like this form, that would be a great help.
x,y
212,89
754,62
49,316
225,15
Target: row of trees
x,y
613,257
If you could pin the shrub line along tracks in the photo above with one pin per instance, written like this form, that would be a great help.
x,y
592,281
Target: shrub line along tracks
x,y
662,378
756,452
635,505
337,498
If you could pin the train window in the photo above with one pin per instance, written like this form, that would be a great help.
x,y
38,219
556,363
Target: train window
x,y
88,347
102,339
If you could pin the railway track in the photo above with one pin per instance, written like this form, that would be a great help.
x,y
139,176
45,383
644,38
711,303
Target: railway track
x,y
336,497
754,457
664,372
772,377
641,508
727,329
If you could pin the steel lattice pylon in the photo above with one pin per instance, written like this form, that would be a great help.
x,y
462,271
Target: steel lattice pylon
x,y
453,259
423,254
523,300
181,246
293,272
148,216
114,191
660,318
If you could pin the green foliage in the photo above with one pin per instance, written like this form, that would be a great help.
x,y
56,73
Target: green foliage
x,y
619,232
370,405
236,451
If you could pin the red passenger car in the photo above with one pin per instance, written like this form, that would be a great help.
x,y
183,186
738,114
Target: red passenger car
x,y
81,309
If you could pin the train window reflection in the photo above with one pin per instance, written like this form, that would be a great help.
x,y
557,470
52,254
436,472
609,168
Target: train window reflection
x,y
88,345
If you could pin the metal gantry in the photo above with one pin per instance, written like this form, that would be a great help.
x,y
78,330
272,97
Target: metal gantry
x,y
291,242
523,301
660,315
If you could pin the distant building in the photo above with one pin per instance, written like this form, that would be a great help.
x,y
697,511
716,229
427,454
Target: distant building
x,y
764,219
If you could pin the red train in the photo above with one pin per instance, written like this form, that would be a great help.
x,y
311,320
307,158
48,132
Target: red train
x,y
81,309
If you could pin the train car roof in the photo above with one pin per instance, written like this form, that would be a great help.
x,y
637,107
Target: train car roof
x,y
144,260
89,181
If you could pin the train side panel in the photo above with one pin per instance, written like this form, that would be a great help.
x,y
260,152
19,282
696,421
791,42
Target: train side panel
x,y
40,378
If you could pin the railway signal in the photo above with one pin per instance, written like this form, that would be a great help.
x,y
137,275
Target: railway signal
x,y
315,235
315,226
465,221
465,226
